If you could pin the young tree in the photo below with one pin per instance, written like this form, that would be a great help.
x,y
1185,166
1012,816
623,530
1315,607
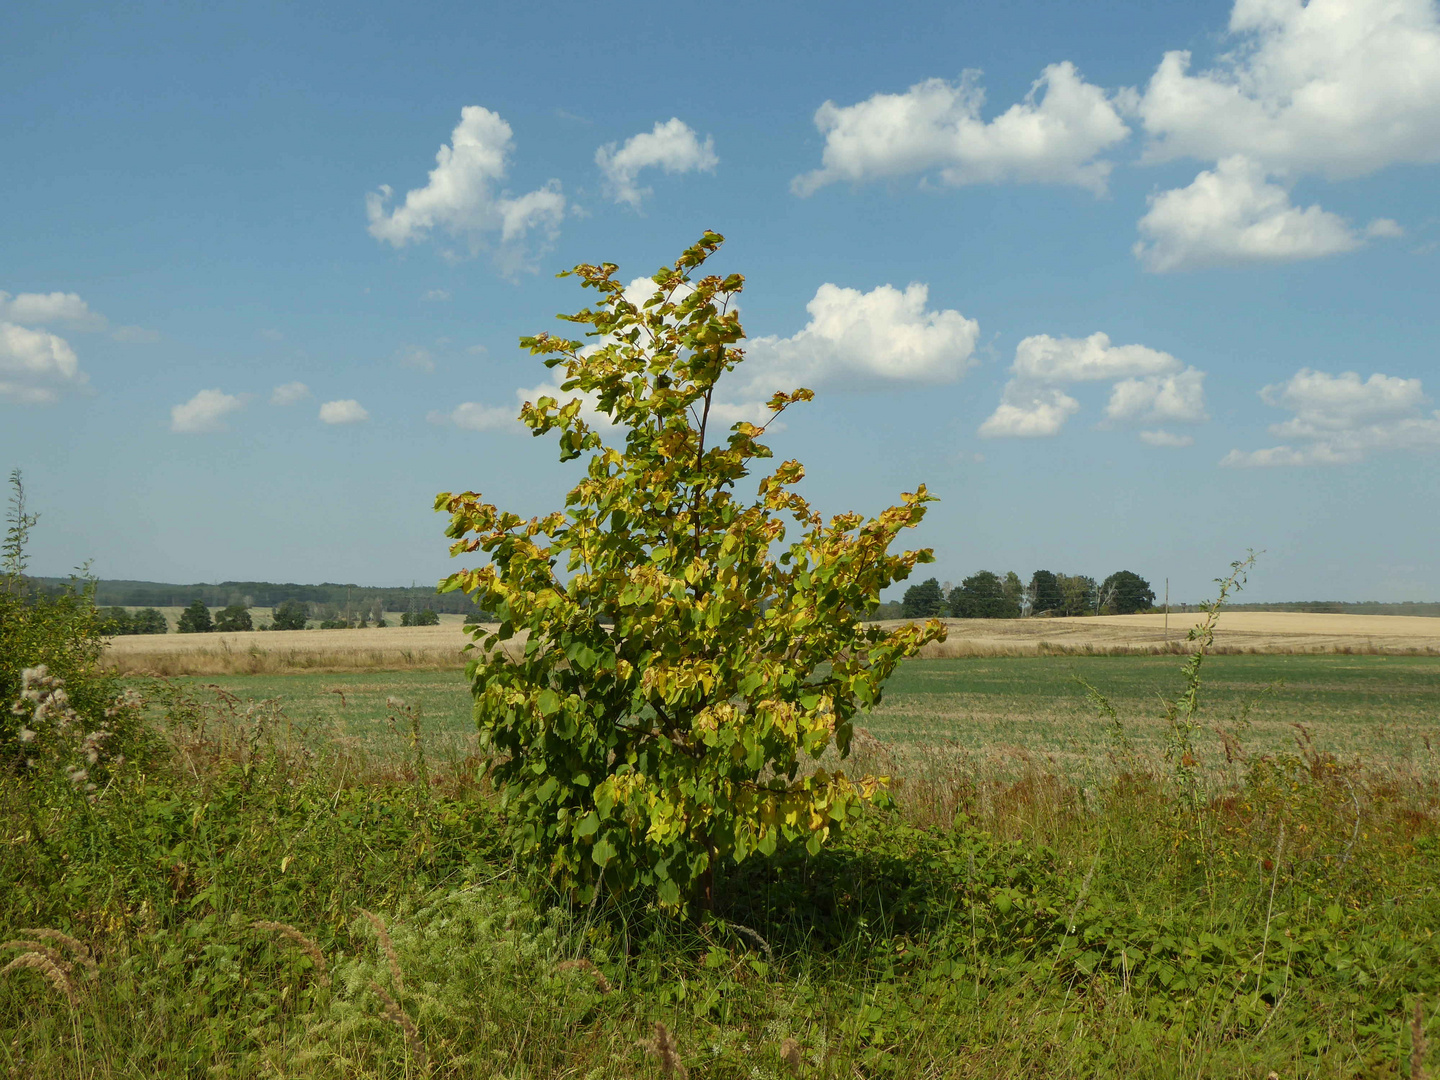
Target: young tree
x,y
195,619
923,601
699,647
1045,598
1131,592
233,618
290,615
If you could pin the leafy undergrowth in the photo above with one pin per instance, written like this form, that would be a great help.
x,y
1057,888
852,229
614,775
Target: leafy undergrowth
x,y
241,901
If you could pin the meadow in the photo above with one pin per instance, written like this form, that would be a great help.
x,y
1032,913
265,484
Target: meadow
x,y
996,710
308,878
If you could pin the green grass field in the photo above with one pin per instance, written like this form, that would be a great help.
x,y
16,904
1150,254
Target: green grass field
x,y
1377,707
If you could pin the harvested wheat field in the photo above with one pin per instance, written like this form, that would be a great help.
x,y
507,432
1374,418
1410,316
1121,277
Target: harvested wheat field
x,y
398,648
1237,632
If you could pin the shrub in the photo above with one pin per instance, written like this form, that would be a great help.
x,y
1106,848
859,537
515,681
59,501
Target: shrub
x,y
195,619
672,686
426,618
52,689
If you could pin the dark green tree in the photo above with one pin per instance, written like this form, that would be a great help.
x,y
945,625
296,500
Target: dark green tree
x,y
290,615
149,621
426,618
233,618
1128,593
923,601
1045,598
195,619
116,622
982,596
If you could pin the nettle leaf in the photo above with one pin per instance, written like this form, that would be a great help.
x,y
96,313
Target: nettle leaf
x,y
679,683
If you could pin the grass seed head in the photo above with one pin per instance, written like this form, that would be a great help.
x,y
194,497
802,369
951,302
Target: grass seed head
x,y
401,1020
666,1053
391,957
52,972
309,947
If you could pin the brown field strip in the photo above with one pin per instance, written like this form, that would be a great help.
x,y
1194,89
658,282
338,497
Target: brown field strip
x,y
400,648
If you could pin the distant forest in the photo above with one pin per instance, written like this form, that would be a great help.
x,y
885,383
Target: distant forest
x,y
418,597
268,594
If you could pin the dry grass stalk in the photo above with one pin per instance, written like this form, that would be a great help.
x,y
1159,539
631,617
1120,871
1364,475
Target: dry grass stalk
x,y
1417,1042
790,1054
666,1052
78,947
585,965
401,1020
307,946
54,974
391,957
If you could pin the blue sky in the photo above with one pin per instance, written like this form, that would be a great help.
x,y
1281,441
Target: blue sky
x,y
1117,305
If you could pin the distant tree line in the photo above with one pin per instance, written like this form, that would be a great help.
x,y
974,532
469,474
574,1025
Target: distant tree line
x,y
293,615
141,594
987,595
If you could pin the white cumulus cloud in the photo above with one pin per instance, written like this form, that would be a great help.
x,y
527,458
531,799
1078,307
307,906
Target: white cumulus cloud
x,y
1233,215
1340,419
461,197
473,416
345,411
50,309
1027,411
1161,437
672,146
1149,387
36,366
884,335
1054,136
1042,358
290,393
1158,399
1339,87
205,412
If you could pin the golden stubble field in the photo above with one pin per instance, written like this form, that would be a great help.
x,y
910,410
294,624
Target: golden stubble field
x,y
399,648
